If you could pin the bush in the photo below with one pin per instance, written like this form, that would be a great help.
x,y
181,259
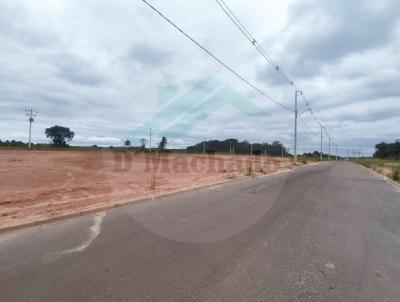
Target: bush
x,y
153,182
230,175
396,172
249,171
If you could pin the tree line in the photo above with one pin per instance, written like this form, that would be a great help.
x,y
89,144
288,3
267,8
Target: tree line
x,y
388,150
58,135
234,146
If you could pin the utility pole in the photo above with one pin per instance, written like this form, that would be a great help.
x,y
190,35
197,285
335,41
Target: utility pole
x,y
296,93
320,155
336,150
150,142
31,114
204,146
251,149
329,153
230,147
282,150
265,152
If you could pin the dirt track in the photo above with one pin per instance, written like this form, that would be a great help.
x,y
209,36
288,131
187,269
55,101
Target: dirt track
x,y
37,185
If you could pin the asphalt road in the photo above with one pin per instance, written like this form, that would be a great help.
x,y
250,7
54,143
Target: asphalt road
x,y
329,232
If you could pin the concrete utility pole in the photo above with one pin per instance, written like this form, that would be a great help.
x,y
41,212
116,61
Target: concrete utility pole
x,y
296,93
320,155
251,149
282,150
230,147
329,152
150,142
336,150
31,114
204,146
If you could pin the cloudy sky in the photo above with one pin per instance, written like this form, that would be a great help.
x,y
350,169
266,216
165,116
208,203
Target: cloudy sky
x,y
112,69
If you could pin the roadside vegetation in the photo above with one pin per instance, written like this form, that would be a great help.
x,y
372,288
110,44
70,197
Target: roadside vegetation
x,y
386,160
387,167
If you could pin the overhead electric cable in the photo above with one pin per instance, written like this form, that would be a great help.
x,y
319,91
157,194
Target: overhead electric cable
x,y
217,59
231,15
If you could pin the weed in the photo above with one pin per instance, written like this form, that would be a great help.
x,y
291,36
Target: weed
x,y
230,176
396,172
249,171
263,171
153,182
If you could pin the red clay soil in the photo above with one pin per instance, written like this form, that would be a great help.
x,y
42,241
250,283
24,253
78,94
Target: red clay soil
x,y
38,185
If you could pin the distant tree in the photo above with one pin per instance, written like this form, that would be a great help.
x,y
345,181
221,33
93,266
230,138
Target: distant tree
x,y
388,150
241,147
127,143
163,143
143,143
59,135
12,143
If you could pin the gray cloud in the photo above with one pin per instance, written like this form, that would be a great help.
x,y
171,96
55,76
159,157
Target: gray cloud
x,y
97,68
329,30
148,56
76,70
322,32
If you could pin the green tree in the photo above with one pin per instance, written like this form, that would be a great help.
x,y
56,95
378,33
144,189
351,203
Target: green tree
x,y
59,135
163,143
388,150
127,143
143,143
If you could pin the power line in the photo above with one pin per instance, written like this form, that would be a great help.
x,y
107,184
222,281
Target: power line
x,y
231,15
308,127
254,42
217,59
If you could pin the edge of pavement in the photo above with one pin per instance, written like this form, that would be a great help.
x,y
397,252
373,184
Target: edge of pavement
x,y
84,212
383,177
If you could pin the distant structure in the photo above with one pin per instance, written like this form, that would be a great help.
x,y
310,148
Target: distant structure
x,y
31,114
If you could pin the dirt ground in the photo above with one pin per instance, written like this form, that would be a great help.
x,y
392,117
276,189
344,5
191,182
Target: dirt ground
x,y
38,185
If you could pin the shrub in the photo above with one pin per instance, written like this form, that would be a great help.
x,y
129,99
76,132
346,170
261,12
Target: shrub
x,y
230,175
396,172
153,183
249,171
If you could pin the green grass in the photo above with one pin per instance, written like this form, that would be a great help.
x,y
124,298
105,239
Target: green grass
x,y
381,165
372,162
306,159
396,172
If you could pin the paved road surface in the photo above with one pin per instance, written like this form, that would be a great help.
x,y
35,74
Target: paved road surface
x,y
329,232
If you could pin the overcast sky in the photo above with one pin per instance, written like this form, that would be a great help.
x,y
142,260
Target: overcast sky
x,y
105,69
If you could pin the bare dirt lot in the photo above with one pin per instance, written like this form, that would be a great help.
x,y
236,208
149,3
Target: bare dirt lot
x,y
38,185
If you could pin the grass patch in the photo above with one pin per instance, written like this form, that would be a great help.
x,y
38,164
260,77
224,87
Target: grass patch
x,y
153,182
249,171
304,161
396,172
387,167
230,176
